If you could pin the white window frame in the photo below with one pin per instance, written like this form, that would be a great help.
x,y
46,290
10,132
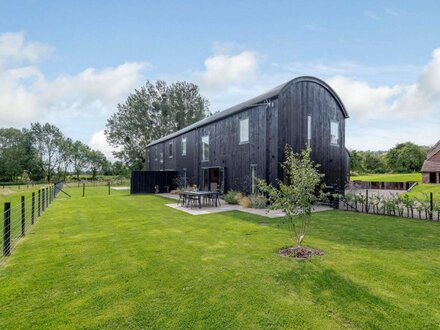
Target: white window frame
x,y
309,130
337,138
205,140
244,139
161,161
183,145
170,148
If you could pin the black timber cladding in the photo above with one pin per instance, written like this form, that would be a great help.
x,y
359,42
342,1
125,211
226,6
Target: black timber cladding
x,y
276,118
143,182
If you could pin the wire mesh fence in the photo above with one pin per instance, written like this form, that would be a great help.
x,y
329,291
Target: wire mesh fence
x,y
19,217
393,204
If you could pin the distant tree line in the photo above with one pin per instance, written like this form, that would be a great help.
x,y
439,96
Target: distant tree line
x,y
403,158
43,153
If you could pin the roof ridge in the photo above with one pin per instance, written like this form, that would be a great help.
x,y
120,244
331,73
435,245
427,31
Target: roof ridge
x,y
434,150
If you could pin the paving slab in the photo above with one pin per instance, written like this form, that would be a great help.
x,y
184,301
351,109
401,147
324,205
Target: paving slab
x,y
228,207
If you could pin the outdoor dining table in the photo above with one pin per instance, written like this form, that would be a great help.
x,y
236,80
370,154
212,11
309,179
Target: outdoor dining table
x,y
199,195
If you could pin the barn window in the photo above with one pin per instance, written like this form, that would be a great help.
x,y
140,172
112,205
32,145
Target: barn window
x,y
309,130
161,162
334,133
183,146
244,130
205,148
170,149
155,153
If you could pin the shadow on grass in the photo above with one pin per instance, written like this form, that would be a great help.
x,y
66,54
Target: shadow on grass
x,y
351,304
361,230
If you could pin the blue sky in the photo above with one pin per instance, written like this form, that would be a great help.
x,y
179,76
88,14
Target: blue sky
x,y
71,62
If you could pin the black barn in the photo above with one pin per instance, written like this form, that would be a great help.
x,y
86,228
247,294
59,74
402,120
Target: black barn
x,y
227,150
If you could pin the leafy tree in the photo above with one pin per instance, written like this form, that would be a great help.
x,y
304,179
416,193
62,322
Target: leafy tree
x,y
356,161
120,169
373,162
151,112
65,157
79,158
96,161
303,187
46,139
406,157
12,153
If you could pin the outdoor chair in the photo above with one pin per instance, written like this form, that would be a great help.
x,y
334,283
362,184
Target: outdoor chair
x,y
182,199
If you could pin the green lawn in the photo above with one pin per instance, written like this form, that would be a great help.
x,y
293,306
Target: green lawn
x,y
417,177
12,194
421,191
124,261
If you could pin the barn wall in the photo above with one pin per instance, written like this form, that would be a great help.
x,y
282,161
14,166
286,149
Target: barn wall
x,y
309,98
271,126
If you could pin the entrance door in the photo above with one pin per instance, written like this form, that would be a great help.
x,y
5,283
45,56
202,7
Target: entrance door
x,y
213,179
432,177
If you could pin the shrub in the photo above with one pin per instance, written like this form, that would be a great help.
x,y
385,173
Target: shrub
x,y
230,197
246,202
258,202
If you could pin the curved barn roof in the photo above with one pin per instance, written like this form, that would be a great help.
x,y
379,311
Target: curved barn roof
x,y
269,95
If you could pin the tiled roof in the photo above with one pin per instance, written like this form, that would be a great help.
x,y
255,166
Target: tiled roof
x,y
431,166
435,149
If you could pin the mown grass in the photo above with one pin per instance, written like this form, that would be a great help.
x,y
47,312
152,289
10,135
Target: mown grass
x,y
124,261
12,194
405,177
422,191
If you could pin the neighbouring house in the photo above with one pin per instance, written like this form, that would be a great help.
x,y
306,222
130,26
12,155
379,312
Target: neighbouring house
x,y
431,166
230,149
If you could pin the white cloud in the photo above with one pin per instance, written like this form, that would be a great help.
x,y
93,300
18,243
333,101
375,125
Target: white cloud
x,y
98,141
223,70
398,101
15,50
362,100
423,96
369,137
27,95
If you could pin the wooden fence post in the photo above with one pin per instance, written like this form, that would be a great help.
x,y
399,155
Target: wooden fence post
x,y
33,209
366,202
7,230
39,203
43,203
23,217
431,206
47,197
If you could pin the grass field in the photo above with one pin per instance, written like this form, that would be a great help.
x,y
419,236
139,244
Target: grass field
x,y
124,261
417,177
421,191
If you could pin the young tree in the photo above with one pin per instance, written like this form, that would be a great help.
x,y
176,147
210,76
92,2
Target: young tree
x,y
150,113
303,186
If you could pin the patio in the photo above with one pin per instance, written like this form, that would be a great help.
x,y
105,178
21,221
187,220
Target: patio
x,y
224,207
